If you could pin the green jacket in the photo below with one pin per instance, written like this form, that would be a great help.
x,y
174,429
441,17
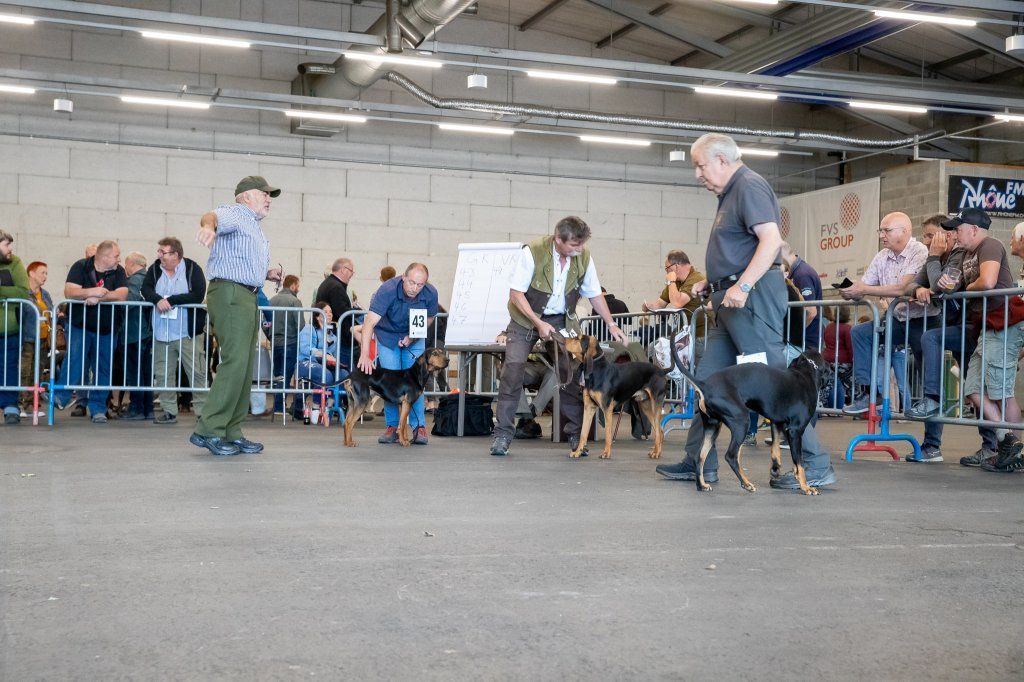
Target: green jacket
x,y
13,284
543,276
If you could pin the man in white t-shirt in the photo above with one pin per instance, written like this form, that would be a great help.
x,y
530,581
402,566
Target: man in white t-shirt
x,y
553,273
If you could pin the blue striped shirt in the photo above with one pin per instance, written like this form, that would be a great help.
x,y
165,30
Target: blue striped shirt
x,y
240,253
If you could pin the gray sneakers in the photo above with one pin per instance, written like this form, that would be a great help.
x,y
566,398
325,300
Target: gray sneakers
x,y
499,448
929,453
923,409
977,459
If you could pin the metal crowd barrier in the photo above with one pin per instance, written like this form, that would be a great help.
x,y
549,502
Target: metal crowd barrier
x,y
954,335
132,345
14,365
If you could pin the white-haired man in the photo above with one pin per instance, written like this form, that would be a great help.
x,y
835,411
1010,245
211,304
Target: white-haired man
x,y
748,294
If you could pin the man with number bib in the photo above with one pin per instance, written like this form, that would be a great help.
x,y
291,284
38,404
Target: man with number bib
x,y
552,274
400,312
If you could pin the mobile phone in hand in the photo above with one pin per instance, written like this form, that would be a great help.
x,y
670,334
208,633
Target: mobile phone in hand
x,y
842,285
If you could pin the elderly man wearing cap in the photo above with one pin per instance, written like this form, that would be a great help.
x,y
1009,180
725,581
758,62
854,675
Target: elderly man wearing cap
x,y
239,263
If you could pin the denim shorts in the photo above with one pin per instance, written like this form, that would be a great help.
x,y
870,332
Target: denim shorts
x,y
1000,365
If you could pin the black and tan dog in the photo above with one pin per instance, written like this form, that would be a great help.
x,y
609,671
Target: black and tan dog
x,y
398,386
787,397
608,385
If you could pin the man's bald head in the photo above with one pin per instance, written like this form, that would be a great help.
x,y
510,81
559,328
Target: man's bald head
x,y
895,231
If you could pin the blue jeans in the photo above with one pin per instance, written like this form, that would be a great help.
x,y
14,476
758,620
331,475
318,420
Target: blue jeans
x,y
316,373
285,357
10,356
402,358
933,343
87,352
865,344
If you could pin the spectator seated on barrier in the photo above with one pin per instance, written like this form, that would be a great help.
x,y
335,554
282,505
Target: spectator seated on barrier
x,y
13,285
179,334
989,384
680,279
955,264
890,272
37,275
285,340
137,336
837,350
318,353
92,282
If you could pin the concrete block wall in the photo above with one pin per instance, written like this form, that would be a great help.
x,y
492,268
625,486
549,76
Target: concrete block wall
x,y
914,189
58,196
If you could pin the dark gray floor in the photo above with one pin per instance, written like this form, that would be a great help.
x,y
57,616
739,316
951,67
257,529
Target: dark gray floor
x,y
127,553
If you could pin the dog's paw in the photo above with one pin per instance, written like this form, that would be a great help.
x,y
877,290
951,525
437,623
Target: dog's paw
x,y
351,444
575,454
749,488
705,488
811,491
606,455
654,454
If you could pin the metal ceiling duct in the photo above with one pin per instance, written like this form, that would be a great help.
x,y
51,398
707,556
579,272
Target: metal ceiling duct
x,y
415,23
527,110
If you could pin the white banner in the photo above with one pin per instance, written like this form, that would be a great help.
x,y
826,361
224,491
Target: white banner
x,y
834,229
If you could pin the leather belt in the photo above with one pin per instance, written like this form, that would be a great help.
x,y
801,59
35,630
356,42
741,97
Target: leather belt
x,y
251,290
726,282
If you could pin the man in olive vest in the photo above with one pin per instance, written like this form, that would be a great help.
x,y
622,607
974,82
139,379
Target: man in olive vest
x,y
552,274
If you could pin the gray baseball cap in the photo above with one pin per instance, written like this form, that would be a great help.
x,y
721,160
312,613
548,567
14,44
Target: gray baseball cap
x,y
256,182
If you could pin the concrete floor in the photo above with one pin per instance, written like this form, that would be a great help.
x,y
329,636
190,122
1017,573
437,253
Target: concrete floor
x,y
127,553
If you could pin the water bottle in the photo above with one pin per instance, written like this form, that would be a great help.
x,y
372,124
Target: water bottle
x,y
305,415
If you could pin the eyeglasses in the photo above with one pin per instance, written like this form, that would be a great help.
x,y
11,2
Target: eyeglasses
x,y
668,268
161,252
887,230
345,267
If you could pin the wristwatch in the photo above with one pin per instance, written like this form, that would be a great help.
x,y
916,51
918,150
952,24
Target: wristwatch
x,y
745,288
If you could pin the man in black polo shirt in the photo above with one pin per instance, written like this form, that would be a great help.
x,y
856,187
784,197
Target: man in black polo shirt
x,y
748,293
90,282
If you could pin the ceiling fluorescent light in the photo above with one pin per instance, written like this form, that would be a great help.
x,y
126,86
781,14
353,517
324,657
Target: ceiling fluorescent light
x,y
736,92
758,152
195,38
906,108
15,19
925,17
1015,118
574,77
631,141
159,101
464,128
324,116
758,2
392,59
18,89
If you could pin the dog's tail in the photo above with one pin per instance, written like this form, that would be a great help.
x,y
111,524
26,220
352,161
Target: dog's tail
x,y
698,389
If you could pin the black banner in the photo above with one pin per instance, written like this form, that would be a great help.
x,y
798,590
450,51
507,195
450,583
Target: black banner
x,y
1000,197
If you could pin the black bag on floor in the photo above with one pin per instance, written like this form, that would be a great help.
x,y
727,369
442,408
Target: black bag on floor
x,y
479,416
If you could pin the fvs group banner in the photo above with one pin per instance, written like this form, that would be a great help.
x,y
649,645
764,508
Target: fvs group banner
x,y
834,229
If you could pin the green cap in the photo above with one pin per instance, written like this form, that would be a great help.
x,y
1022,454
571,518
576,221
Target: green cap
x,y
256,182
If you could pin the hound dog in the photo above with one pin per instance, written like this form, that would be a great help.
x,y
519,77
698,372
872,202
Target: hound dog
x,y
608,385
787,397
401,386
